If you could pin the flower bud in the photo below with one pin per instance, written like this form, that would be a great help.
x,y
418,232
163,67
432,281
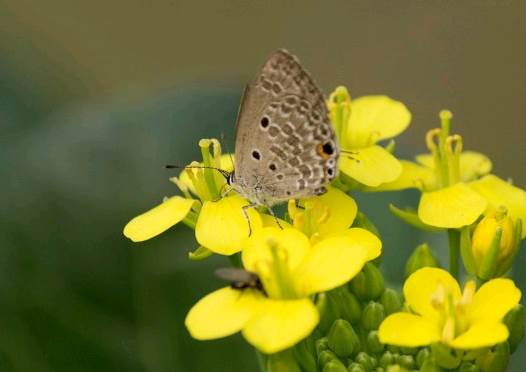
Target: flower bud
x,y
373,343
391,301
430,366
514,320
422,257
282,361
368,284
422,356
355,367
334,366
325,357
347,304
443,356
328,312
406,361
304,352
343,340
373,315
497,359
386,359
468,367
494,244
365,361
321,345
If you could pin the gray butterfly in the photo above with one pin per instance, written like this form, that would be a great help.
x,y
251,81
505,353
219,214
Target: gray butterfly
x,y
285,147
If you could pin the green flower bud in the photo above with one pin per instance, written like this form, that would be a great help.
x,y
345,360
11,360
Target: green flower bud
x,y
373,315
408,350
346,303
430,365
494,244
422,356
362,221
325,357
406,361
343,340
391,300
368,284
334,366
379,369
304,352
365,360
495,360
514,320
422,257
386,359
328,312
355,367
396,368
282,361
445,357
321,345
468,367
373,343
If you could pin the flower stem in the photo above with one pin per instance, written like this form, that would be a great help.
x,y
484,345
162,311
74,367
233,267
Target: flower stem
x,y
454,251
261,360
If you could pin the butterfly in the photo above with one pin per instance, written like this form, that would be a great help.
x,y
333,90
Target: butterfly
x,y
285,146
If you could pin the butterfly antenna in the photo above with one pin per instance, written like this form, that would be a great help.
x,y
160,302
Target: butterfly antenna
x,y
223,172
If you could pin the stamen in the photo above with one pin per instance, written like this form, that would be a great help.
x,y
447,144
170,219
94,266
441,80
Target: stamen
x,y
438,299
448,332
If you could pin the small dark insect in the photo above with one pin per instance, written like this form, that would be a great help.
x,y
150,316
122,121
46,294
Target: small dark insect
x,y
239,278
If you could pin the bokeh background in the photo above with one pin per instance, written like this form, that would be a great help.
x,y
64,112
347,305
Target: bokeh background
x,y
96,96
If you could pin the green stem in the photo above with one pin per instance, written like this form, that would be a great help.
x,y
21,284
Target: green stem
x,y
261,360
454,251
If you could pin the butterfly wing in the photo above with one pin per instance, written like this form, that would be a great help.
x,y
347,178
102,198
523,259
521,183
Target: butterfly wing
x,y
285,145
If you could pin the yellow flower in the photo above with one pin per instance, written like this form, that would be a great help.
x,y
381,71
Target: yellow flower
x,y
220,224
441,313
453,196
359,125
291,270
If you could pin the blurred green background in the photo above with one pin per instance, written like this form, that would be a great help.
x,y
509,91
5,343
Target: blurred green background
x,y
96,96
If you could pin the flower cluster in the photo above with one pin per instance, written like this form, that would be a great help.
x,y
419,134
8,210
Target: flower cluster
x,y
308,292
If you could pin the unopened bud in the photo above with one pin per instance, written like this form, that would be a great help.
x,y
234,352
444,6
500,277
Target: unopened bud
x,y
328,312
391,301
325,357
422,356
468,367
305,352
368,284
356,367
422,257
321,345
373,315
386,359
365,360
373,343
346,303
343,340
494,244
497,359
406,361
514,320
334,366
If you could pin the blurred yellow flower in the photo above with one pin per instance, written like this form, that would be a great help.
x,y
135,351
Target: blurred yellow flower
x,y
290,269
453,196
441,313
359,125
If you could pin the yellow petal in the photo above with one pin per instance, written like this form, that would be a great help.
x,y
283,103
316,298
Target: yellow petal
x,y
472,164
499,192
366,239
408,330
374,118
281,324
371,166
481,335
291,243
427,285
221,225
493,300
412,176
222,313
330,263
158,219
342,211
451,207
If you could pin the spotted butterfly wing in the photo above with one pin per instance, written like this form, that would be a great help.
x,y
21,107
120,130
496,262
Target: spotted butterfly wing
x,y
285,144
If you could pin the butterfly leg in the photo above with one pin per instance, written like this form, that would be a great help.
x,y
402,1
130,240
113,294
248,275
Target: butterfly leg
x,y
245,214
275,218
223,193
349,154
